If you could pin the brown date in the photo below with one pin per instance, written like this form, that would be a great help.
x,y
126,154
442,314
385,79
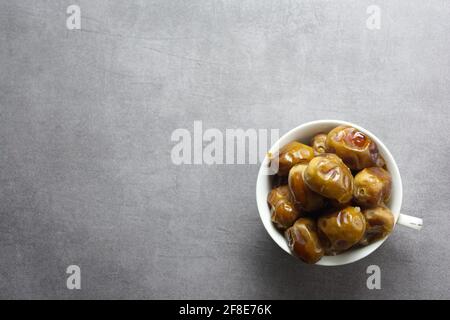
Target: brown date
x,y
355,148
372,187
282,207
379,223
327,175
319,143
302,194
303,240
291,154
341,229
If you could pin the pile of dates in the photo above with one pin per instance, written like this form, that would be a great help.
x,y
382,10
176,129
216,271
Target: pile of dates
x,y
331,196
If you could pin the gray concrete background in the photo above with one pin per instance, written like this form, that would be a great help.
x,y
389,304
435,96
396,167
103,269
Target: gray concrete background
x,y
85,124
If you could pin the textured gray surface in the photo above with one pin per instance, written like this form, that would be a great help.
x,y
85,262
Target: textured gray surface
x,y
85,124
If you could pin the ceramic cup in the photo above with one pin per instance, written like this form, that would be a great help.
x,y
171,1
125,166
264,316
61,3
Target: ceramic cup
x,y
304,133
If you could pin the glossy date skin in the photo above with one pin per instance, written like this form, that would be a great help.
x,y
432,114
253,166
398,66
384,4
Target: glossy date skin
x,y
291,154
372,187
342,229
327,175
303,196
282,207
319,143
379,224
355,148
303,240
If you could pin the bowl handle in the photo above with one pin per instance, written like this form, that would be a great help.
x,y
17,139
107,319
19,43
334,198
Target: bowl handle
x,y
410,221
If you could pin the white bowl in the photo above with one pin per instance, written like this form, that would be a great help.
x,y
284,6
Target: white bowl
x,y
304,133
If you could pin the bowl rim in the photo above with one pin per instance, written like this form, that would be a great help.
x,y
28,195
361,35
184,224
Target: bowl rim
x,y
264,211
